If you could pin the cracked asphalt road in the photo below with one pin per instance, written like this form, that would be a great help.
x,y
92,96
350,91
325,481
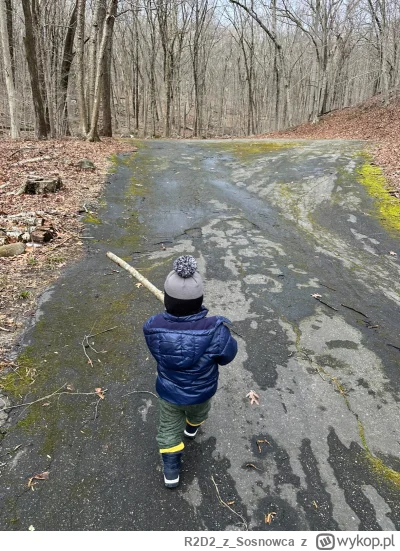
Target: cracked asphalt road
x,y
271,224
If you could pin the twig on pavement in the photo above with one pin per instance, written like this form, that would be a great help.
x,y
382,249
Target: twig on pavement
x,y
140,392
84,350
101,332
327,286
55,393
326,304
226,505
97,407
354,310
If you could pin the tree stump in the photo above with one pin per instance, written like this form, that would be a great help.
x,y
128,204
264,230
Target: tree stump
x,y
42,235
37,185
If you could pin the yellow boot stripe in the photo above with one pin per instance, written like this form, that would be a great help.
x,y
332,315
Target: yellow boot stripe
x,y
177,448
194,424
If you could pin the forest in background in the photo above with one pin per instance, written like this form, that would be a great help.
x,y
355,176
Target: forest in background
x,y
190,68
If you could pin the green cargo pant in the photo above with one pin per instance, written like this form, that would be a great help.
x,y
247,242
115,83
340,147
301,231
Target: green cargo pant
x,y
172,422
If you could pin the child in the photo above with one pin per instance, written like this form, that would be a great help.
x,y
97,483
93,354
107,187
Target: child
x,y
188,347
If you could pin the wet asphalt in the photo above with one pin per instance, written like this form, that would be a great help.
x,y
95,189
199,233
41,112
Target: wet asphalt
x,y
271,224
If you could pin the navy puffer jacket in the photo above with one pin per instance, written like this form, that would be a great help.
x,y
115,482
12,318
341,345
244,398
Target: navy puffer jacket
x,y
188,350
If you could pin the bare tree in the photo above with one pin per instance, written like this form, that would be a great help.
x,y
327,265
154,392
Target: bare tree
x,y
31,49
194,67
106,88
380,16
67,58
8,70
80,69
106,36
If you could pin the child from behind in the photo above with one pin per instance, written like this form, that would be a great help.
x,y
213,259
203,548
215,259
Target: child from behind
x,y
188,347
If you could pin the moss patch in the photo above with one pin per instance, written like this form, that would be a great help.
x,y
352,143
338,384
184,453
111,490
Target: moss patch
x,y
290,201
15,383
378,466
249,149
91,218
371,176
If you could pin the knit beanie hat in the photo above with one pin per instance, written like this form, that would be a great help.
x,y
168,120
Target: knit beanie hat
x,y
184,282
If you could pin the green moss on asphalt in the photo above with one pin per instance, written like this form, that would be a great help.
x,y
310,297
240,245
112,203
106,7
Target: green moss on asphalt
x,y
247,150
388,207
91,218
140,180
40,370
381,470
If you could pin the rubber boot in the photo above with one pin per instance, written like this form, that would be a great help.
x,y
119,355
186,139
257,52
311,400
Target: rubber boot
x,y
191,431
172,468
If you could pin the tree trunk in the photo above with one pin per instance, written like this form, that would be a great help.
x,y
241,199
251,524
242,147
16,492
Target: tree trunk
x,y
67,59
106,35
169,76
41,127
80,77
8,71
41,54
106,86
97,25
10,29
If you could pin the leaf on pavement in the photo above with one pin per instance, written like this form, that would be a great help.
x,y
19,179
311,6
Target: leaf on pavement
x,y
99,392
41,476
253,397
269,517
252,466
262,442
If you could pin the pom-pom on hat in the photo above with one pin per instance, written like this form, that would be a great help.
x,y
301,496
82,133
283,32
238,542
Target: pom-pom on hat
x,y
184,282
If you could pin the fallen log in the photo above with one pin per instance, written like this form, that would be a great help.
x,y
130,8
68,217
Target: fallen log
x,y
26,227
34,160
156,292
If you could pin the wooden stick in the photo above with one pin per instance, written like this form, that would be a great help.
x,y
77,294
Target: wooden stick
x,y
35,160
156,292
226,505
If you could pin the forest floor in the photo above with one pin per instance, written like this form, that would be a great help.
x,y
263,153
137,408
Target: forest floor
x,y
24,277
368,121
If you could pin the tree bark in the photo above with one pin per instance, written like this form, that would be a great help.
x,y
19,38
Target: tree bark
x,y
41,60
80,77
97,26
8,71
106,35
10,29
67,58
41,127
106,85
